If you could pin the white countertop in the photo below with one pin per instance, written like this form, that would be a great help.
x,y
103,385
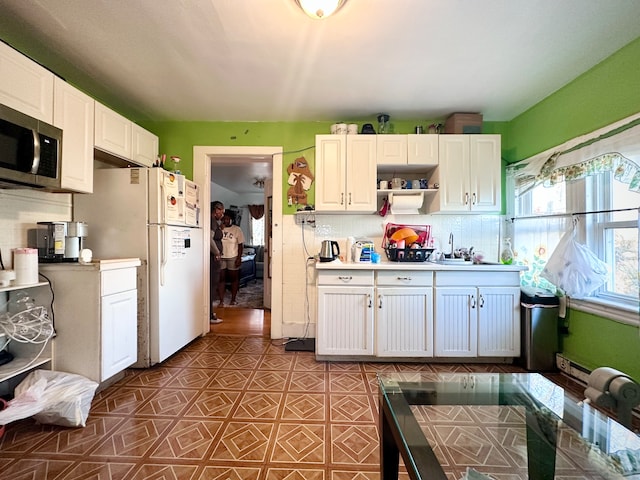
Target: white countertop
x,y
429,266
96,264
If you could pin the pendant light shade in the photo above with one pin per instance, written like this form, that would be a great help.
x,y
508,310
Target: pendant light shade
x,y
319,9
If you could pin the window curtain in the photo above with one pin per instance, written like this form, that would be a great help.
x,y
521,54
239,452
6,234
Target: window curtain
x,y
612,149
256,211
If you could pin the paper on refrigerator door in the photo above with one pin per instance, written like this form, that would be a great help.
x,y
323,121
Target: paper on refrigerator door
x,y
172,197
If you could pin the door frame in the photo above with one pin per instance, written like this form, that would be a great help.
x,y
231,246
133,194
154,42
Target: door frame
x,y
202,161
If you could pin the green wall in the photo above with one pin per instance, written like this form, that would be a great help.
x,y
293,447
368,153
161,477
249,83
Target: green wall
x,y
605,94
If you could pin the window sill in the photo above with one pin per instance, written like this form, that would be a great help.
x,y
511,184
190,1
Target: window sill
x,y
613,311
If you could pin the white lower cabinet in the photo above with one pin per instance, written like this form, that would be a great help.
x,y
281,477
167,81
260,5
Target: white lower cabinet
x,y
475,321
345,313
95,318
404,314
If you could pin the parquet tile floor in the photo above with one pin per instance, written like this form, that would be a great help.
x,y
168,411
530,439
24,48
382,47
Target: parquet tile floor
x,y
230,407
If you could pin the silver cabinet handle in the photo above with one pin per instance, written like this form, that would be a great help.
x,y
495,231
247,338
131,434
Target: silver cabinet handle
x,y
369,297
342,198
481,301
345,278
408,279
35,164
473,301
466,198
475,199
349,198
379,301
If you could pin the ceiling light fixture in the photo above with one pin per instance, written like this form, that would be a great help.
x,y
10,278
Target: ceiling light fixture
x,y
320,9
259,182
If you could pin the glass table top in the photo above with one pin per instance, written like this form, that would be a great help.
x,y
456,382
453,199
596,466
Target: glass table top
x,y
503,425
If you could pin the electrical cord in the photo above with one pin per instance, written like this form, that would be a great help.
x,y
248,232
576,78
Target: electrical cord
x,y
309,260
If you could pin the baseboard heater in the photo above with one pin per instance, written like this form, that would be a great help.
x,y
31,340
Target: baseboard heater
x,y
579,373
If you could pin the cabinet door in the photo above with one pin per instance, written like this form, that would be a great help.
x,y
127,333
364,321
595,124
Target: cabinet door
x,y
330,172
112,132
144,146
422,150
404,322
485,173
456,322
361,173
73,112
455,192
345,321
24,85
499,321
391,149
119,332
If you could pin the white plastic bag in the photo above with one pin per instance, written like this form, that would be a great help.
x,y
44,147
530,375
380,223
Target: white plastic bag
x,y
574,268
65,398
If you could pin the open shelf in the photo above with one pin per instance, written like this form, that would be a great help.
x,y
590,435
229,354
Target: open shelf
x,y
22,287
20,365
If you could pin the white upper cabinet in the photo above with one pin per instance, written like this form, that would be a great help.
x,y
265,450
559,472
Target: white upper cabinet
x,y
391,149
144,146
412,149
73,113
112,132
346,173
422,150
470,174
24,85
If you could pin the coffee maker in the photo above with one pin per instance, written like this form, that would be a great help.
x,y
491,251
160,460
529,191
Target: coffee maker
x,y
58,241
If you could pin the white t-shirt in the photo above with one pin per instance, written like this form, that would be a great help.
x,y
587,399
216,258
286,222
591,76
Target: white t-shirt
x,y
231,237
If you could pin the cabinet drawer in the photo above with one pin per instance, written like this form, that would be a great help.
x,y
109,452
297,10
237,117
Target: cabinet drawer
x,y
477,279
345,277
404,278
120,280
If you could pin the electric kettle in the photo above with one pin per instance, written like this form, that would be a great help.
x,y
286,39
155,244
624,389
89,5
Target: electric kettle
x,y
329,251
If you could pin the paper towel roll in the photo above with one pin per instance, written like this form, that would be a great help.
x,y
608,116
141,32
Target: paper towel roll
x,y
599,398
624,389
25,263
601,377
406,203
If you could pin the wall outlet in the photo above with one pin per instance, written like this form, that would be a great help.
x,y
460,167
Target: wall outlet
x,y
563,364
305,217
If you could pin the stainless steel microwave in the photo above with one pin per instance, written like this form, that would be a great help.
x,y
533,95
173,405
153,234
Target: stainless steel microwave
x,y
29,151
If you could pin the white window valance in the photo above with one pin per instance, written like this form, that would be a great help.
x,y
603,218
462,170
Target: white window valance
x,y
615,148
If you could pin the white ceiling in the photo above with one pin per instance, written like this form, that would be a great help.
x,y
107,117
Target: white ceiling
x,y
264,60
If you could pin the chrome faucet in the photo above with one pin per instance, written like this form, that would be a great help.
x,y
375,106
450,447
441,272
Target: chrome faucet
x,y
451,243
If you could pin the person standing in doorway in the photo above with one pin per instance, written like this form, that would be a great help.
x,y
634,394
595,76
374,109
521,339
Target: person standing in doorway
x,y
215,255
232,246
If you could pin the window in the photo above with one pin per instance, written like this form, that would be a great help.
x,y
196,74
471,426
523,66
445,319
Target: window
x,y
612,236
257,231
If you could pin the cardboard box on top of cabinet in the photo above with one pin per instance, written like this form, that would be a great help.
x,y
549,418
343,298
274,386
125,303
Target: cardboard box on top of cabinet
x,y
463,123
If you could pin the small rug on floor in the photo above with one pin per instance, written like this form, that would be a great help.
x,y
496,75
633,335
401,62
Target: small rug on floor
x,y
251,295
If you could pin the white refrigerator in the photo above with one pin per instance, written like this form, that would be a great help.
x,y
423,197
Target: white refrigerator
x,y
154,215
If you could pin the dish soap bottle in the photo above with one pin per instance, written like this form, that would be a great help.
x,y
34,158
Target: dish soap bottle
x,y
506,256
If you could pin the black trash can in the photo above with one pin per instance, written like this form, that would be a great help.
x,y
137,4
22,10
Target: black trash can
x,y
539,329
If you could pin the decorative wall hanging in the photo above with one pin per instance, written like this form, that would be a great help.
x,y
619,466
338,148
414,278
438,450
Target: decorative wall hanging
x,y
300,179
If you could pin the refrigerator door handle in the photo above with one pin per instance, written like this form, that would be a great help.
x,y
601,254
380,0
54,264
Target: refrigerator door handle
x,y
163,202
163,252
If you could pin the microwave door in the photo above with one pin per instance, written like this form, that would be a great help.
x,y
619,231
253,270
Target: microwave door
x,y
18,147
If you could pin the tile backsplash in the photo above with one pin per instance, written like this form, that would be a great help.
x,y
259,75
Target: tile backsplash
x,y
21,210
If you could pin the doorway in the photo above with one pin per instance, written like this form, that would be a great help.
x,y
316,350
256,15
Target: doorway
x,y
204,157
